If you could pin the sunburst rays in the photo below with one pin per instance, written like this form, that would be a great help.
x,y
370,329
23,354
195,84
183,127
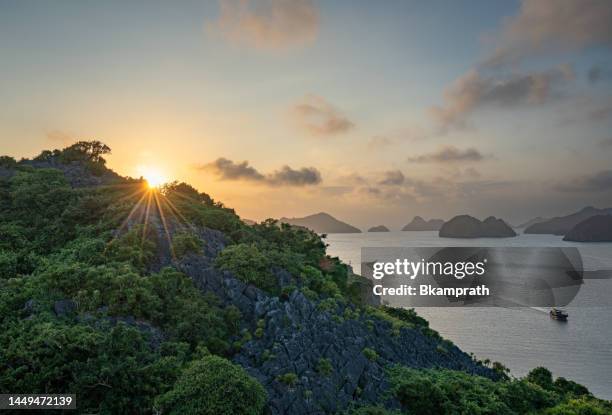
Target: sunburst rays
x,y
153,211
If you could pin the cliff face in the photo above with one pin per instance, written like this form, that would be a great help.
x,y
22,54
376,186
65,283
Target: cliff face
x,y
299,333
420,224
563,224
465,226
594,229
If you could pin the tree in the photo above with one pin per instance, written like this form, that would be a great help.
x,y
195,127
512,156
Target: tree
x,y
542,377
7,162
91,151
214,386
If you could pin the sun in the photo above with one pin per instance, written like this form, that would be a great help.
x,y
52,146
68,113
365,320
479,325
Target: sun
x,y
154,177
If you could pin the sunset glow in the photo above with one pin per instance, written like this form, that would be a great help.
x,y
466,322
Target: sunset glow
x,y
154,177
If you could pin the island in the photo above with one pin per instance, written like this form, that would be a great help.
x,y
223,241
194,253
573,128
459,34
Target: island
x,y
594,229
379,228
530,222
420,224
561,225
466,226
321,223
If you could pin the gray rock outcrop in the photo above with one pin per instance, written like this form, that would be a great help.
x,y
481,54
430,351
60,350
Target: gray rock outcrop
x,y
465,226
594,229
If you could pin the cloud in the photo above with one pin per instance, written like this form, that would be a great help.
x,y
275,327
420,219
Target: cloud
x,y
449,154
379,142
228,170
596,182
268,24
393,178
290,177
473,91
600,73
544,26
318,117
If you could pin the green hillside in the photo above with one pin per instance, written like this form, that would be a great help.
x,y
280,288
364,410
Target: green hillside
x,y
144,300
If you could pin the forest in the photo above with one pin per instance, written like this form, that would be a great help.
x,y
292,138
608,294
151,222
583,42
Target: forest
x,y
95,301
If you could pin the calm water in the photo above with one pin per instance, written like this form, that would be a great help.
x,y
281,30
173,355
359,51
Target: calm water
x,y
520,338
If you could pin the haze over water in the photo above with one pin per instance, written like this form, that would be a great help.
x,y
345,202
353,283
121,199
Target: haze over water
x,y
520,338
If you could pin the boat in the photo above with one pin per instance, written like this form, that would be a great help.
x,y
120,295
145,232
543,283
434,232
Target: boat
x,y
557,314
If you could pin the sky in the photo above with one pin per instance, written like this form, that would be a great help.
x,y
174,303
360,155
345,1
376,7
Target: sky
x,y
371,111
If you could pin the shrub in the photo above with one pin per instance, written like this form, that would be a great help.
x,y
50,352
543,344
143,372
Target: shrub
x,y
185,242
7,162
370,354
138,246
289,379
214,386
286,291
8,264
248,264
542,377
112,369
372,410
571,388
329,304
324,367
435,391
583,406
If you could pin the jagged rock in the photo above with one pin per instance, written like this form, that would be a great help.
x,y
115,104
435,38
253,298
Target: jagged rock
x,y
63,308
6,173
297,335
30,307
298,332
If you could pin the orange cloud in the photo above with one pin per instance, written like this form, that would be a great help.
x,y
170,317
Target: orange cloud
x,y
268,24
229,170
318,117
473,91
543,26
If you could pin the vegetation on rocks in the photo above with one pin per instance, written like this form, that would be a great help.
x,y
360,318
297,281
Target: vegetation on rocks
x,y
96,299
213,386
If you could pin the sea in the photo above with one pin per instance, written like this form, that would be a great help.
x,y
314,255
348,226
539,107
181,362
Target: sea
x,y
521,338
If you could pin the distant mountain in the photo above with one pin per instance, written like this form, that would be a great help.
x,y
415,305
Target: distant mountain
x,y
594,229
379,228
249,221
420,224
530,222
563,224
321,223
465,226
